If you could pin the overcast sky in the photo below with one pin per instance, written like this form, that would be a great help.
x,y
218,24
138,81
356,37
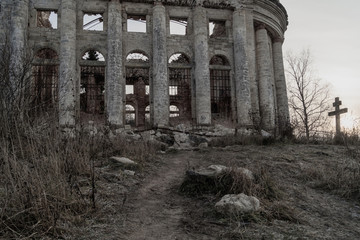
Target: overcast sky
x,y
330,29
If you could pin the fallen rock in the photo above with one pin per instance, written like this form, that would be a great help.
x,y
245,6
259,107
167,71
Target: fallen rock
x,y
122,162
203,145
129,172
217,170
240,203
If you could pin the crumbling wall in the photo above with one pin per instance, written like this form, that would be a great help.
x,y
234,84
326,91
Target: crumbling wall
x,y
252,64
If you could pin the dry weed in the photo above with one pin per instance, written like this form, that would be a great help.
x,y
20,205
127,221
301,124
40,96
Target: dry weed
x,y
41,174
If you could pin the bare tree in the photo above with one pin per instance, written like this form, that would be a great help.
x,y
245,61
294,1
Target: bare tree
x,y
308,95
14,81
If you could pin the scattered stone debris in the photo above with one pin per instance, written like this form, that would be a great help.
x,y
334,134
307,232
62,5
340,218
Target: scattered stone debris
x,y
237,204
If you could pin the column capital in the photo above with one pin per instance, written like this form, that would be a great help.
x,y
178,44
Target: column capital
x,y
260,27
279,39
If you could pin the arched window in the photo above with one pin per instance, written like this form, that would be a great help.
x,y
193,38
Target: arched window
x,y
219,60
137,57
93,55
220,87
92,86
180,85
46,53
137,85
174,111
179,58
130,114
44,89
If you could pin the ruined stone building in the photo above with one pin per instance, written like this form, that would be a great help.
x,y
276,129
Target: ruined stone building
x,y
152,63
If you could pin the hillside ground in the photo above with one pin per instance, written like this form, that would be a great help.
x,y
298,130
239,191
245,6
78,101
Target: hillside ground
x,y
311,202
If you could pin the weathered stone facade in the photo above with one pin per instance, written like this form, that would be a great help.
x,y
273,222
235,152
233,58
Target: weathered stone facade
x,y
228,63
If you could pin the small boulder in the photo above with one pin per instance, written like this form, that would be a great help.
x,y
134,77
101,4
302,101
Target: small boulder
x,y
211,171
240,203
122,162
129,172
203,145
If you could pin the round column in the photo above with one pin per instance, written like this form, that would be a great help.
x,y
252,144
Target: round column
x,y
242,83
265,76
67,68
160,85
201,72
17,43
115,82
280,85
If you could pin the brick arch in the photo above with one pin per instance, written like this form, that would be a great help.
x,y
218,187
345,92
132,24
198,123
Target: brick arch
x,y
185,58
219,59
102,56
46,53
140,52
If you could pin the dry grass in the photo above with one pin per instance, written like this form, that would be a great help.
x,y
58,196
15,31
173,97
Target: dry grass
x,y
341,178
233,181
41,171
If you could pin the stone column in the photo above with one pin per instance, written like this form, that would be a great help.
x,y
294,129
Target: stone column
x,y
115,82
201,72
251,56
280,85
17,43
267,106
160,82
242,81
67,69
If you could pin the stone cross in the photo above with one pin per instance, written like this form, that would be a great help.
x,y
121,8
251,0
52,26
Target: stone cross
x,y
337,113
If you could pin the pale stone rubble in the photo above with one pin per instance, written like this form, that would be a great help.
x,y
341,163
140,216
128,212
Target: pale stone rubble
x,y
253,46
234,204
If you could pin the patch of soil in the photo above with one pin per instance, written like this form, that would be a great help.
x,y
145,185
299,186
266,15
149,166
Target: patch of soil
x,y
150,206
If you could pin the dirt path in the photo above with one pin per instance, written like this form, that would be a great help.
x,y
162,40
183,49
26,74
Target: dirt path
x,y
153,212
149,206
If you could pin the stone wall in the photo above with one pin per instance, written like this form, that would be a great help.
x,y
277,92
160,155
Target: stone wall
x,y
253,57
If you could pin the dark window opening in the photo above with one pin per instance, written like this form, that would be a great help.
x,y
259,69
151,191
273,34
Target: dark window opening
x,y
47,19
46,53
93,22
217,29
45,87
220,93
179,90
180,87
136,23
137,94
92,90
219,60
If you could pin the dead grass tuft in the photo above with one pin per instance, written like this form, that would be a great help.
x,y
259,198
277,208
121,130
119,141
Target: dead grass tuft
x,y
41,174
341,178
233,181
